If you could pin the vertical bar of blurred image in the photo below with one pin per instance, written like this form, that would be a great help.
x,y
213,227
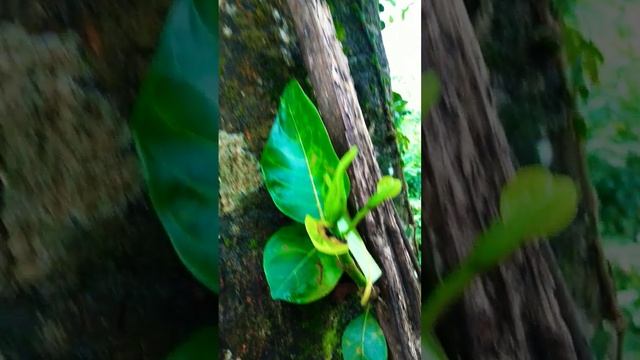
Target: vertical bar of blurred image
x,y
531,142
319,179
109,179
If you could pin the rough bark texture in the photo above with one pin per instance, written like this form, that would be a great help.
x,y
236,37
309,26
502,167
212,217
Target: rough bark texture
x,y
86,270
520,310
362,42
535,106
398,304
259,55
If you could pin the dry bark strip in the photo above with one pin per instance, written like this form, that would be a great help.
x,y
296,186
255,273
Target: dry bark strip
x,y
521,310
398,305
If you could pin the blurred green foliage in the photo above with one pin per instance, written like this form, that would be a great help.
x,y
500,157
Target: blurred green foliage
x,y
407,125
405,110
603,59
175,128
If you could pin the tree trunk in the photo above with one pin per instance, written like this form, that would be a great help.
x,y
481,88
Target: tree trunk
x,y
362,43
260,52
521,309
536,107
399,299
86,270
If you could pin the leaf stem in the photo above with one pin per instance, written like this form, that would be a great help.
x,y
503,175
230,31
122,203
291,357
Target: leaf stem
x,y
352,270
366,294
360,215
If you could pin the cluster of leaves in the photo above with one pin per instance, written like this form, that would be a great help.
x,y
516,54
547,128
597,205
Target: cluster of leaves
x,y
303,261
583,58
174,126
533,204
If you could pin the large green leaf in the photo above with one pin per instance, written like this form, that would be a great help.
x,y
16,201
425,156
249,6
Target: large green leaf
x,y
175,129
201,345
363,339
538,202
296,271
297,156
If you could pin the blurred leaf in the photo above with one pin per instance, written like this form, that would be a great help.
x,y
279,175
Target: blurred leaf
x,y
175,130
540,203
534,203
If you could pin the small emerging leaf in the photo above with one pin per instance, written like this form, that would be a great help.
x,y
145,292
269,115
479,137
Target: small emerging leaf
x,y
538,202
388,188
363,339
325,243
366,262
295,270
335,204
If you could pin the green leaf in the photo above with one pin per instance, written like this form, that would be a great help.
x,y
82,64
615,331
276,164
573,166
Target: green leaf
x,y
296,271
201,345
366,262
296,157
335,204
175,130
363,339
537,202
388,187
325,243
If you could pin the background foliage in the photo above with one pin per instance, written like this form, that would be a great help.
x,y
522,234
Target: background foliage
x,y
603,53
402,45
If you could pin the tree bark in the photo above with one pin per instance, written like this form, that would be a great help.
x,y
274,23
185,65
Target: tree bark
x,y
398,304
537,107
519,310
362,43
260,53
86,270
